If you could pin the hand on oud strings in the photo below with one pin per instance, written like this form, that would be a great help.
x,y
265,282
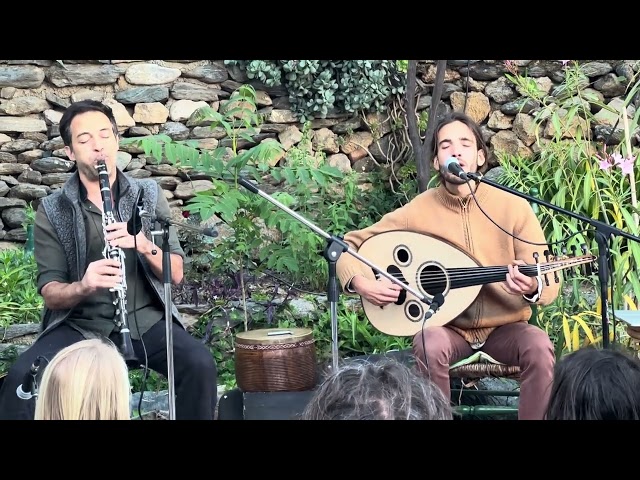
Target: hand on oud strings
x,y
517,283
378,292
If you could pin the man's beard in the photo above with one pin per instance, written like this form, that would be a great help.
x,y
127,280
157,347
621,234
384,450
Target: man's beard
x,y
89,171
449,177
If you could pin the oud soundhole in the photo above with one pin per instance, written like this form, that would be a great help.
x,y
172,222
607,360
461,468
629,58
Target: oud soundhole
x,y
397,273
402,255
414,311
433,279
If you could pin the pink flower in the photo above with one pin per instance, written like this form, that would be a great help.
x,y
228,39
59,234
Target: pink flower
x,y
617,158
605,164
626,165
607,161
604,160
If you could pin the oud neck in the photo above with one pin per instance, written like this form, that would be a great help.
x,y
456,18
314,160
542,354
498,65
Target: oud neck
x,y
467,277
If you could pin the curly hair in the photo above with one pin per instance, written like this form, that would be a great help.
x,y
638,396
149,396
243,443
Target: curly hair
x,y
385,389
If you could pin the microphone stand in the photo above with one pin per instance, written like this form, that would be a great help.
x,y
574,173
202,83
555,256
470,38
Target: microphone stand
x,y
31,380
166,278
335,247
603,233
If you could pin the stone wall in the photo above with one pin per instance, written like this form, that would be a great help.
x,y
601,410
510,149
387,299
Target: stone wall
x,y
160,96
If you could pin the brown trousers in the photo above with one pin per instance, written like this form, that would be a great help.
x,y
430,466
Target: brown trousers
x,y
513,344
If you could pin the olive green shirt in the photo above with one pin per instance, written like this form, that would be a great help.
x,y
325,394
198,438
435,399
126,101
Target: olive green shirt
x,y
97,313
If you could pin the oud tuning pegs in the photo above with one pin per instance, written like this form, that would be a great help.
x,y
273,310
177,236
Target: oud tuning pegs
x,y
556,278
547,255
536,257
566,274
555,258
586,267
574,270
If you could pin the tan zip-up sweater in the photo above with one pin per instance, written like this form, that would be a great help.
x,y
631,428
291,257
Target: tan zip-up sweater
x,y
460,221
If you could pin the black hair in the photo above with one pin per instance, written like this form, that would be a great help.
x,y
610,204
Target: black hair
x,y
596,384
78,108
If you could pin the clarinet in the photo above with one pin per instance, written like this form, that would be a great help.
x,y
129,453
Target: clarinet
x,y
120,291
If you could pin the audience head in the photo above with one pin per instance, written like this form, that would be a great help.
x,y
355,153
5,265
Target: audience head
x,y
377,390
87,380
596,384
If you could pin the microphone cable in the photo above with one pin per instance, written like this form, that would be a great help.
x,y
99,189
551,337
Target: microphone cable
x,y
547,244
438,299
562,240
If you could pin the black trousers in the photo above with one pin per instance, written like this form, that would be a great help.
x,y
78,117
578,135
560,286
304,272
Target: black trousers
x,y
195,370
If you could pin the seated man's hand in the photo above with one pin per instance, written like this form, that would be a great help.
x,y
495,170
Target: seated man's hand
x,y
378,292
517,283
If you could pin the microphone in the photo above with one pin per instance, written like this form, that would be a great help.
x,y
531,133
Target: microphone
x,y
27,389
436,303
454,167
134,225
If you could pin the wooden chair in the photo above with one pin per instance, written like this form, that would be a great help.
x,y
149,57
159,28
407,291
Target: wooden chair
x,y
469,371
480,365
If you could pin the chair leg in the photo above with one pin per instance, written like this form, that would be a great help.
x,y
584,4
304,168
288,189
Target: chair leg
x,y
476,402
484,410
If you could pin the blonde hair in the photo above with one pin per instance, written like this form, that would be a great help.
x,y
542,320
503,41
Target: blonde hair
x,y
87,380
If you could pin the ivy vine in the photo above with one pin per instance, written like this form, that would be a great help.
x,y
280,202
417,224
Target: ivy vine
x,y
319,87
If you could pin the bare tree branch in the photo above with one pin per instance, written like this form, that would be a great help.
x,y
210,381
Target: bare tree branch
x,y
436,96
422,150
412,121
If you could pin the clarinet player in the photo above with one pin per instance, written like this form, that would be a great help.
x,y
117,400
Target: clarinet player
x,y
77,280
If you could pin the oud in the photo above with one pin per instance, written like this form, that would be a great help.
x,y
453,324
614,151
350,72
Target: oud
x,y
455,274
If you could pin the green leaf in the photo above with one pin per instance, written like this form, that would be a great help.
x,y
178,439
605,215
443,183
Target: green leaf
x,y
283,197
319,178
276,174
289,175
288,263
557,177
586,186
303,175
267,151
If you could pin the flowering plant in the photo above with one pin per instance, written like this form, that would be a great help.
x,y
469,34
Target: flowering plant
x,y
571,172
